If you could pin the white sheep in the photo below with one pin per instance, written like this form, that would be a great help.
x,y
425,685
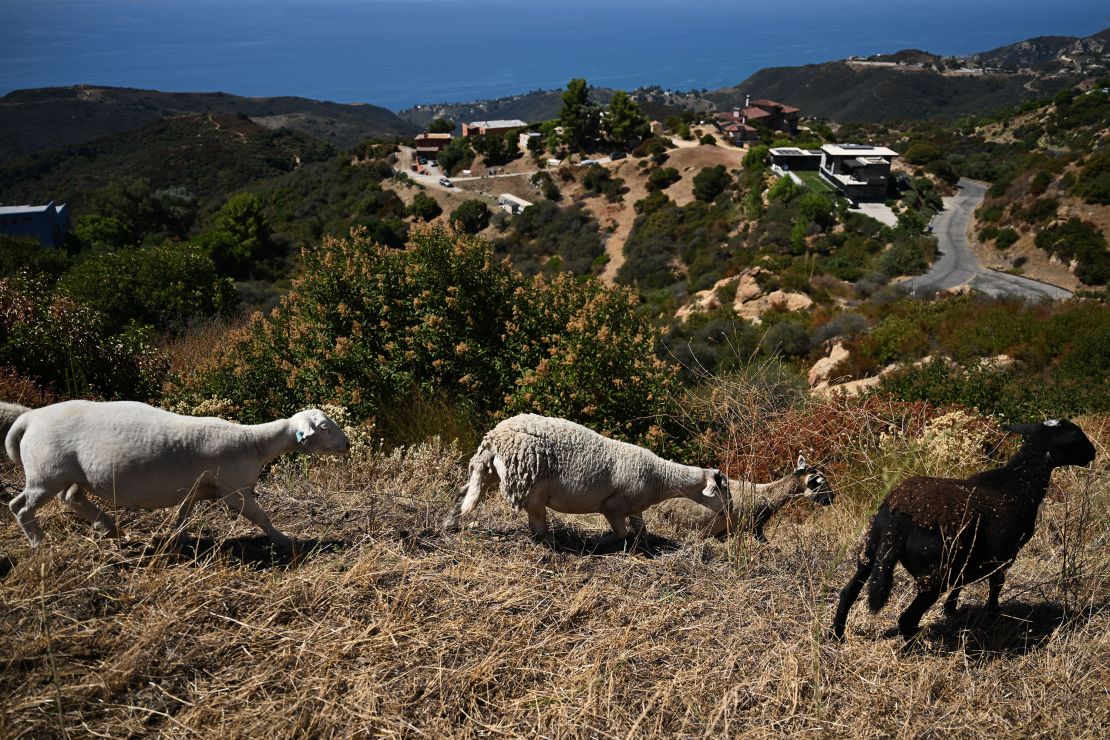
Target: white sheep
x,y
138,455
753,504
545,463
9,412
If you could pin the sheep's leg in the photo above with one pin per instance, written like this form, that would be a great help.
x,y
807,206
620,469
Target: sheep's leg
x,y
614,510
636,524
243,503
952,601
537,520
909,622
77,502
24,506
995,579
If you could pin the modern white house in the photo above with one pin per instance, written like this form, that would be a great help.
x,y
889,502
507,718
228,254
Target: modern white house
x,y
481,128
860,171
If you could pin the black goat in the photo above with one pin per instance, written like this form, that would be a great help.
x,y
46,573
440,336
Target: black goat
x,y
949,532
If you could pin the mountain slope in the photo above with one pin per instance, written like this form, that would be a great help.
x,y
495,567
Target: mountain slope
x,y
51,118
210,155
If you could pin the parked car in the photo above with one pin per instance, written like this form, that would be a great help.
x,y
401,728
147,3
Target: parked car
x,y
588,162
445,182
617,155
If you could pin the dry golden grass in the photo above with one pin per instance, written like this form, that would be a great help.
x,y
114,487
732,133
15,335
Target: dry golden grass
x,y
388,627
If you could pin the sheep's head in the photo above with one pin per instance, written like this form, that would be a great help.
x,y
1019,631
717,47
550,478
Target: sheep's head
x,y
1061,441
317,434
715,493
812,483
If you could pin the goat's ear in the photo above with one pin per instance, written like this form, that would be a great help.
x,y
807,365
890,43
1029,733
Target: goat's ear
x,y
801,464
1022,429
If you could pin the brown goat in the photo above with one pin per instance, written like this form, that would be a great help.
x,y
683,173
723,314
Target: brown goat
x,y
949,532
753,504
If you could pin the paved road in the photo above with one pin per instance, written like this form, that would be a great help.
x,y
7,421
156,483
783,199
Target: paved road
x,y
957,265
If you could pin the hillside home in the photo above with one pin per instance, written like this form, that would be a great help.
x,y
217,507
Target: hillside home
x,y
49,223
789,158
860,171
481,128
526,138
512,204
740,124
430,145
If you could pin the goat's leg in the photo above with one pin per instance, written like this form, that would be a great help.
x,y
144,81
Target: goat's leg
x,y
243,503
952,602
77,502
995,579
909,622
24,506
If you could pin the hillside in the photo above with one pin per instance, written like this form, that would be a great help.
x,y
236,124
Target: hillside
x,y
864,92
42,119
210,155
1047,52
531,107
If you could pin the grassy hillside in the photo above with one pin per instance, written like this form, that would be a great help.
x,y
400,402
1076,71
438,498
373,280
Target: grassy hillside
x,y
51,118
383,625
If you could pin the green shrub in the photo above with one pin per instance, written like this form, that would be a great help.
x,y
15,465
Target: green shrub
x,y
471,217
166,287
424,207
922,152
1082,241
711,182
1093,183
1006,238
367,326
67,347
662,178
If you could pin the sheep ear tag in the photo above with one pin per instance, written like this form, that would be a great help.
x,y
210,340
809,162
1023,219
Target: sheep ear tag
x,y
300,437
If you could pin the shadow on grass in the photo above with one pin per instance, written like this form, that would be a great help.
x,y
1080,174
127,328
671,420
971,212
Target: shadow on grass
x,y
567,539
256,552
1017,629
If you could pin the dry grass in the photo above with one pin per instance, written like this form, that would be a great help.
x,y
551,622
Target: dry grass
x,y
386,627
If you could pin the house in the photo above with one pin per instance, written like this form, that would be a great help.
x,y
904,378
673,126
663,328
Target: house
x,y
740,124
481,128
859,171
49,223
512,204
789,158
526,138
430,145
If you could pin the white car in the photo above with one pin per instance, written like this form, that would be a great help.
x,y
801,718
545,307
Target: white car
x,y
445,182
585,162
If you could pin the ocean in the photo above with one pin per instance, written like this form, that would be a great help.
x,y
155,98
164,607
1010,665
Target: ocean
x,y
397,53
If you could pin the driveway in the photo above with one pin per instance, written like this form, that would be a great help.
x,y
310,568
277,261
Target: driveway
x,y
956,264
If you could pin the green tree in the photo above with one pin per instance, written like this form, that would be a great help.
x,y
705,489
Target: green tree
x,y
441,126
242,236
424,207
453,156
471,217
625,124
579,117
711,182
103,232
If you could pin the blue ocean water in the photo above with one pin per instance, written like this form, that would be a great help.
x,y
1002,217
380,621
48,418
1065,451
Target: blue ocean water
x,y
397,53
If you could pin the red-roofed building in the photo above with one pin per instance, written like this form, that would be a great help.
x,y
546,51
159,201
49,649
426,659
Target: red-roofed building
x,y
739,123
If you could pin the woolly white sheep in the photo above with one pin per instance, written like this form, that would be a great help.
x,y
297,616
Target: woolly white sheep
x,y
9,412
753,504
545,463
137,455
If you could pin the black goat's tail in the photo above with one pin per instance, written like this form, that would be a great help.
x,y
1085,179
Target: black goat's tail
x,y
889,552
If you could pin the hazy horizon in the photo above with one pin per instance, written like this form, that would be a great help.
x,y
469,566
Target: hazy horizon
x,y
398,53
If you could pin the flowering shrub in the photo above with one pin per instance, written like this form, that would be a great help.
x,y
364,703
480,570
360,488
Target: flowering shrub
x,y
66,347
368,328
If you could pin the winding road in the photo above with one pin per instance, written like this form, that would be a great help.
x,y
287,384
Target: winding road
x,y
956,264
